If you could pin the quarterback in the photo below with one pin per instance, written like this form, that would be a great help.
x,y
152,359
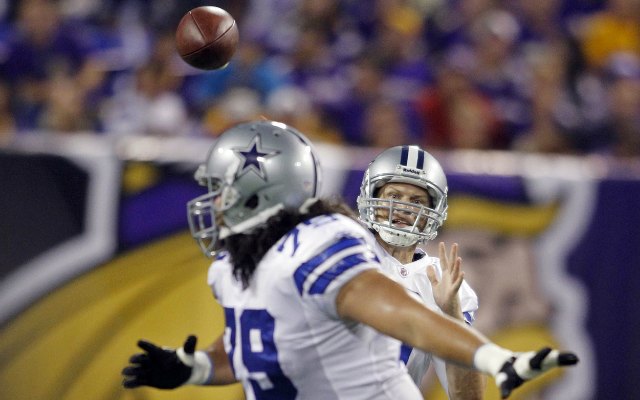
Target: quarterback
x,y
403,201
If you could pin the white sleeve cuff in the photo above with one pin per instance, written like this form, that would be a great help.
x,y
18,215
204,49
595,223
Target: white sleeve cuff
x,y
489,358
202,367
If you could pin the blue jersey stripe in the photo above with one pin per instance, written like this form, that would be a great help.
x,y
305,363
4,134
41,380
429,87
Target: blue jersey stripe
x,y
468,317
230,321
302,272
420,159
323,281
405,352
404,156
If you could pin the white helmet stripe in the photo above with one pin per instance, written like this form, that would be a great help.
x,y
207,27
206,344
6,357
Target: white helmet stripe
x,y
412,157
412,161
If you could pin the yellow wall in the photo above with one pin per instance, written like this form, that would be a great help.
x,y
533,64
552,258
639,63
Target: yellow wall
x,y
73,344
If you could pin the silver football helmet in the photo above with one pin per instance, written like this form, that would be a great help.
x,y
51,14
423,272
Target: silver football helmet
x,y
404,164
253,170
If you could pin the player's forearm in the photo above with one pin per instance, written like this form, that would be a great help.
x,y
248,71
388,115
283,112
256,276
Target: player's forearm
x,y
222,373
464,383
391,311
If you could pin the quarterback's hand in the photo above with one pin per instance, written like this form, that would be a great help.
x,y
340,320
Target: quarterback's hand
x,y
445,289
160,367
526,366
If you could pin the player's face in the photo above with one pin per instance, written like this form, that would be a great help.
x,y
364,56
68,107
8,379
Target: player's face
x,y
412,198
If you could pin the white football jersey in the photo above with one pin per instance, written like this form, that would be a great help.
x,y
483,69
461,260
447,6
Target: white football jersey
x,y
283,334
413,276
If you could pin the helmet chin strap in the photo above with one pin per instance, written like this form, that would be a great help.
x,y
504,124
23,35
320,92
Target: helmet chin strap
x,y
395,238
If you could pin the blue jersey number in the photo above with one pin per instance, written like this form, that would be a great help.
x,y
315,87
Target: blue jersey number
x,y
259,354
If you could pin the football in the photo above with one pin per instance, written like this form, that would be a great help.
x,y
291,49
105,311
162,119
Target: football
x,y
207,37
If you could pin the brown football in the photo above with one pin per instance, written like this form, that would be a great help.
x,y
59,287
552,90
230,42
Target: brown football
x,y
207,37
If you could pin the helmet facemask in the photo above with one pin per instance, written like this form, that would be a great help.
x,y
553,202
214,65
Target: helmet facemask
x,y
400,223
207,211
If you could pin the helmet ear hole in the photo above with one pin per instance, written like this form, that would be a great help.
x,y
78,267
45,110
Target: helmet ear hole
x,y
252,202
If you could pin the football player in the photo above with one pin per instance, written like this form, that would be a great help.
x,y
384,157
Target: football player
x,y
308,313
403,200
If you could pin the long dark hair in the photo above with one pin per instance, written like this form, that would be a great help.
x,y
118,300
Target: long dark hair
x,y
247,249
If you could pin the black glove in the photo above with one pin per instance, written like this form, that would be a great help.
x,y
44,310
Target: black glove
x,y
525,366
158,367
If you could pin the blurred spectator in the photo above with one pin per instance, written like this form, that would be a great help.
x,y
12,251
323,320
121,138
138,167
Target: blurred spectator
x,y
65,107
239,104
7,121
614,29
398,45
568,114
623,89
339,30
551,100
385,125
157,15
147,103
541,21
44,47
448,24
499,71
453,112
4,10
344,78
272,24
148,99
365,79
313,67
295,107
249,67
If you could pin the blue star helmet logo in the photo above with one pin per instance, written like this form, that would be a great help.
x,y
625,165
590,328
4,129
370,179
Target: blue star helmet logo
x,y
253,157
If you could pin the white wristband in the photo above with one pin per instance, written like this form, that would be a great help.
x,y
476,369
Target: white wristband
x,y
202,367
489,358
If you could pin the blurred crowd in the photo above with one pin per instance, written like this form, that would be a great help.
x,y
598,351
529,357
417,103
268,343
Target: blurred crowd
x,y
559,76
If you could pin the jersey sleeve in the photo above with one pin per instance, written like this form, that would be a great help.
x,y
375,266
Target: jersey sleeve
x,y
418,364
468,302
319,279
441,372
